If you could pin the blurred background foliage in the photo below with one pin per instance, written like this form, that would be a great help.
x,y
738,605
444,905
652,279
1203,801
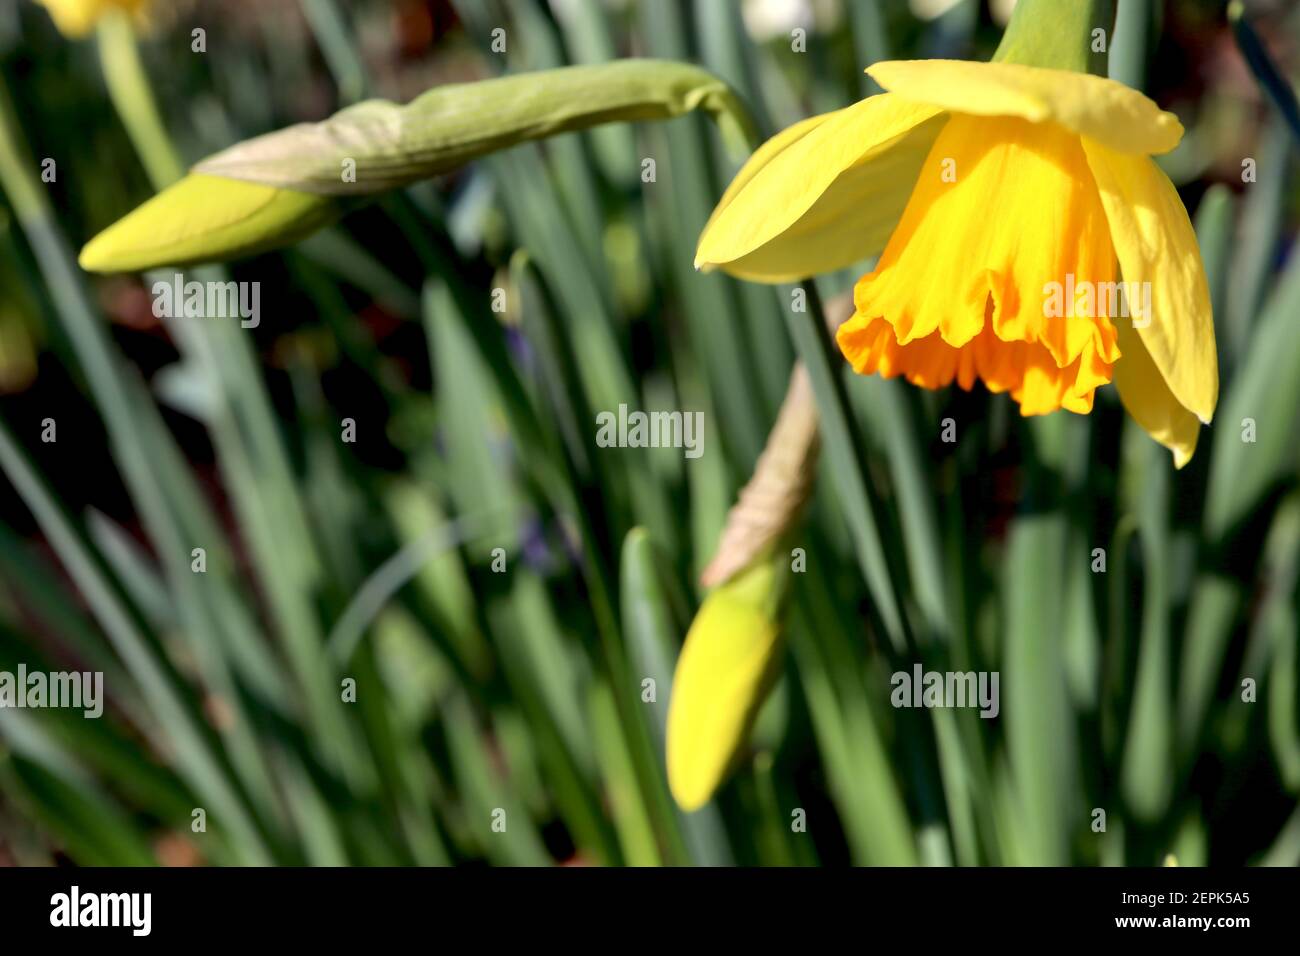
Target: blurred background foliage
x,y
521,691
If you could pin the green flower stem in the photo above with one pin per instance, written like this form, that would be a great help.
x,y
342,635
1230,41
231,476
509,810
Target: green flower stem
x,y
132,96
1058,34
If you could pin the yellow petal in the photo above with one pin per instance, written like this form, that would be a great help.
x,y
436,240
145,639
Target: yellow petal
x,y
1093,106
206,219
822,194
723,673
1154,242
1148,400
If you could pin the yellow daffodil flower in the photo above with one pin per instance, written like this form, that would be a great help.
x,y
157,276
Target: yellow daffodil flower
x,y
1026,238
76,18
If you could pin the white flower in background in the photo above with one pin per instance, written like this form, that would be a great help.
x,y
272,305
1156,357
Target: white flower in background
x,y
1001,10
766,19
931,9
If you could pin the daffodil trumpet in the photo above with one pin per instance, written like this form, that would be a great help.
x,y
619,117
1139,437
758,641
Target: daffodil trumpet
x,y
985,189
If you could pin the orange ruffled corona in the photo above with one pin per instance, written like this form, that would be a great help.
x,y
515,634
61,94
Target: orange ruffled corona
x,y
1002,209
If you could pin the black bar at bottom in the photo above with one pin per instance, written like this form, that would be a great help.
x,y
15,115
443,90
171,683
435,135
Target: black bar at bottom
x,y
332,907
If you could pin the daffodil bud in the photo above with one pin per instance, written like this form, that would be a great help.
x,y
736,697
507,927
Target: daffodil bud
x,y
774,497
377,146
724,672
274,189
207,219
